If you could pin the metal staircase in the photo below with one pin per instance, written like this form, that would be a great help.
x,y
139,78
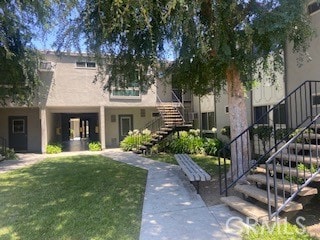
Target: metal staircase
x,y
170,121
277,177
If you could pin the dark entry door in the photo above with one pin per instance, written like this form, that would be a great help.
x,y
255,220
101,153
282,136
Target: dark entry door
x,y
18,135
125,125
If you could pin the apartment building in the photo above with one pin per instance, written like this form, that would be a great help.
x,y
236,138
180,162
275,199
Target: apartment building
x,y
72,107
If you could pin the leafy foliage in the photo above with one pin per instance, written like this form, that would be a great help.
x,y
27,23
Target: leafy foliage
x,y
95,146
54,148
191,143
203,37
21,22
10,154
135,139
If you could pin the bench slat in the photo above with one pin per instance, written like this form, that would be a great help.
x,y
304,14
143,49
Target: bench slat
x,y
191,169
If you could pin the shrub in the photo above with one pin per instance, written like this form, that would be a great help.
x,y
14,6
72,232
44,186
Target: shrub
x,y
191,143
54,148
129,143
10,154
264,133
134,139
178,143
212,146
95,146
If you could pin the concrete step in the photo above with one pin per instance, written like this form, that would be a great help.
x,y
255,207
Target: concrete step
x,y
312,136
162,132
246,208
167,108
299,158
261,195
169,116
166,129
292,172
305,146
173,123
282,184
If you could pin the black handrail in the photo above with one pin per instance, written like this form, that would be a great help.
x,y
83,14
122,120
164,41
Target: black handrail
x,y
291,181
298,107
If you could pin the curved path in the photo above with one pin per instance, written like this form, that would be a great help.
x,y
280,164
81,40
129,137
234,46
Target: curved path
x,y
172,209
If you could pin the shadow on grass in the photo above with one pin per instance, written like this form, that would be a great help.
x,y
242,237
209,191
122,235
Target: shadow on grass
x,y
85,197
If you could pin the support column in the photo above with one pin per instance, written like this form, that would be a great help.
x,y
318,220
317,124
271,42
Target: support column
x,y
44,130
102,123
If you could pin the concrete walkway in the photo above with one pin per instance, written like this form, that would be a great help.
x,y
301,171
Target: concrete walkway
x,y
172,209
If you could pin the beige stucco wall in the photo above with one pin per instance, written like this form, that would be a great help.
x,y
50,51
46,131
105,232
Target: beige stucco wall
x,y
112,128
33,128
310,69
268,93
68,85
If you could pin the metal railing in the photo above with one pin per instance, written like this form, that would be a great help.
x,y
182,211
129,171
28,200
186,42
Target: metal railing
x,y
158,123
292,167
279,122
180,108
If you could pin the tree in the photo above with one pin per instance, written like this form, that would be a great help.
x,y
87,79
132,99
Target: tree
x,y
218,44
20,22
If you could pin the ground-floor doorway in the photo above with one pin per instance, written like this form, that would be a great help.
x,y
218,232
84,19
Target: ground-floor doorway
x,y
125,125
78,129
18,133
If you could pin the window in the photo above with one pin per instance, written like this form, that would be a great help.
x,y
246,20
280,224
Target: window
x,y
45,66
227,110
313,7
316,100
205,124
258,113
91,64
279,114
207,120
142,113
82,64
125,90
18,126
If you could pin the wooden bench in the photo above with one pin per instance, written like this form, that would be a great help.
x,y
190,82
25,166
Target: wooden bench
x,y
193,171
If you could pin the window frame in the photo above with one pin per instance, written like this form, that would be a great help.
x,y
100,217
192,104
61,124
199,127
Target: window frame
x,y
255,118
316,9
85,65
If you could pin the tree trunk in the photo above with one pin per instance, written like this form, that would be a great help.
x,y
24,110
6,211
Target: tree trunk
x,y
240,149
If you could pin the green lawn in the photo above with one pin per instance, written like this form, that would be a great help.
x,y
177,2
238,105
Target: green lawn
x,y
84,197
208,163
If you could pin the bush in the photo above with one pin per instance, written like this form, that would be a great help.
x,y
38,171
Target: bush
x,y
10,154
212,146
95,146
191,143
134,139
54,148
